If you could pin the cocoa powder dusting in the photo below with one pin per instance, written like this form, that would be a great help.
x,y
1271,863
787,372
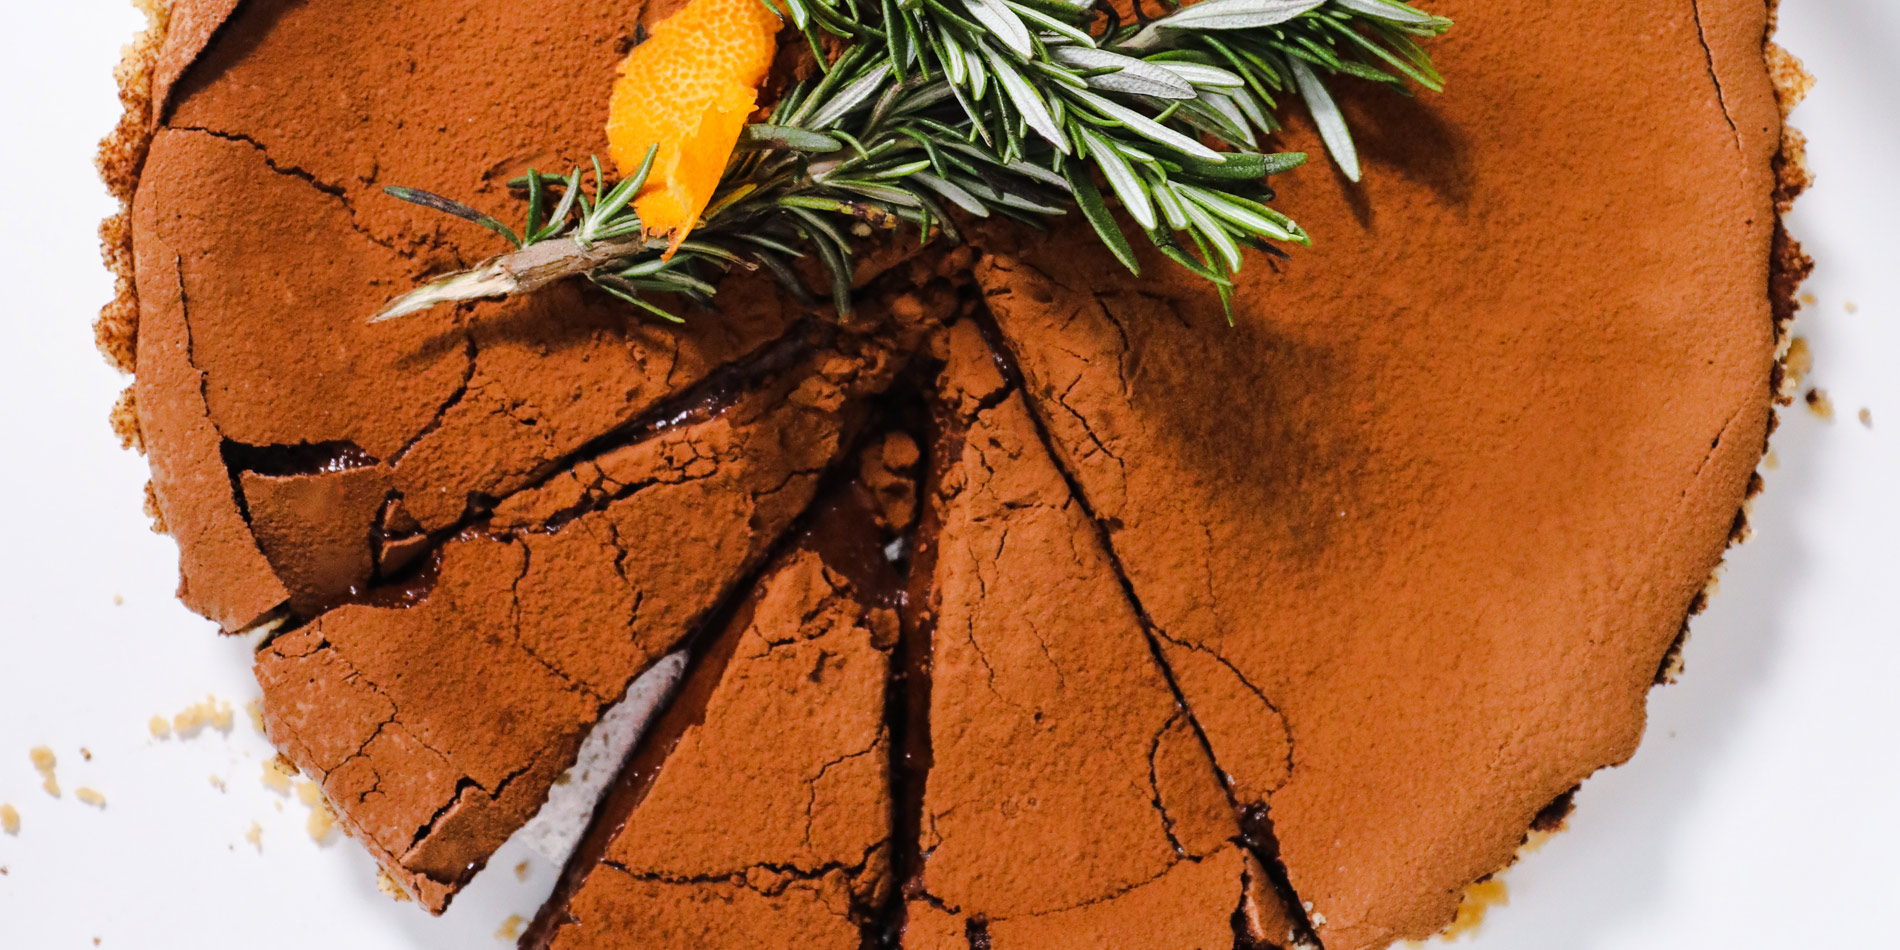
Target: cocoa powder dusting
x,y
1223,636
758,812
1069,799
1443,541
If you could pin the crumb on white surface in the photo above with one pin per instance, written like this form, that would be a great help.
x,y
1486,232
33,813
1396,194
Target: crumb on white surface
x,y
1820,404
1866,417
510,929
322,821
521,871
10,820
255,710
44,762
217,782
255,836
1851,307
1799,361
390,889
161,728
213,712
91,797
321,824
277,775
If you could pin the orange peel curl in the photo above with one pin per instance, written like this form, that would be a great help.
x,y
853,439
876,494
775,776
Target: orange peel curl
x,y
687,92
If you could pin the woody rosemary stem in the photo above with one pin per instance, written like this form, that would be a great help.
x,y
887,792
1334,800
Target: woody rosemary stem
x,y
519,272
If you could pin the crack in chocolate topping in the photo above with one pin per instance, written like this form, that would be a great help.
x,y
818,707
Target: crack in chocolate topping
x,y
1034,607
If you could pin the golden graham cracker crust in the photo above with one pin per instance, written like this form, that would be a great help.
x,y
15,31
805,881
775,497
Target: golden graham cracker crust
x,y
1373,578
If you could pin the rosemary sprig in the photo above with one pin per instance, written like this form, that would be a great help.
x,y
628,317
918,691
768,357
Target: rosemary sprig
x,y
992,107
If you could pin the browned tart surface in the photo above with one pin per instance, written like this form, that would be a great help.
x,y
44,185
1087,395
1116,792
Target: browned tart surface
x,y
1189,635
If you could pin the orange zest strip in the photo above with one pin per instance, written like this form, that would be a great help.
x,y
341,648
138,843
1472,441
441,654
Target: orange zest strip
x,y
688,90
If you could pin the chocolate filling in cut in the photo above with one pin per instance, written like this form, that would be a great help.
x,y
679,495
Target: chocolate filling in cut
x,y
1278,633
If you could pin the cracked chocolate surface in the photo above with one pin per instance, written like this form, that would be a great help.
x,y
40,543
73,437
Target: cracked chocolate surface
x,y
549,620
719,835
1212,636
1052,721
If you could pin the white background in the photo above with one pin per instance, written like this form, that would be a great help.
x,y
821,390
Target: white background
x,y
1759,812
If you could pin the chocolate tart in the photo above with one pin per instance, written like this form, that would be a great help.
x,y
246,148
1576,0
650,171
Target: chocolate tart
x,y
1036,606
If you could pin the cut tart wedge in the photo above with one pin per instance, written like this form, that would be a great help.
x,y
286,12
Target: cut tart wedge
x,y
758,810
1379,573
1070,800
552,605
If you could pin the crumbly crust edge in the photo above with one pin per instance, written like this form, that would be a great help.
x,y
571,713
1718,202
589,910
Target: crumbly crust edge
x,y
120,161
1788,267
